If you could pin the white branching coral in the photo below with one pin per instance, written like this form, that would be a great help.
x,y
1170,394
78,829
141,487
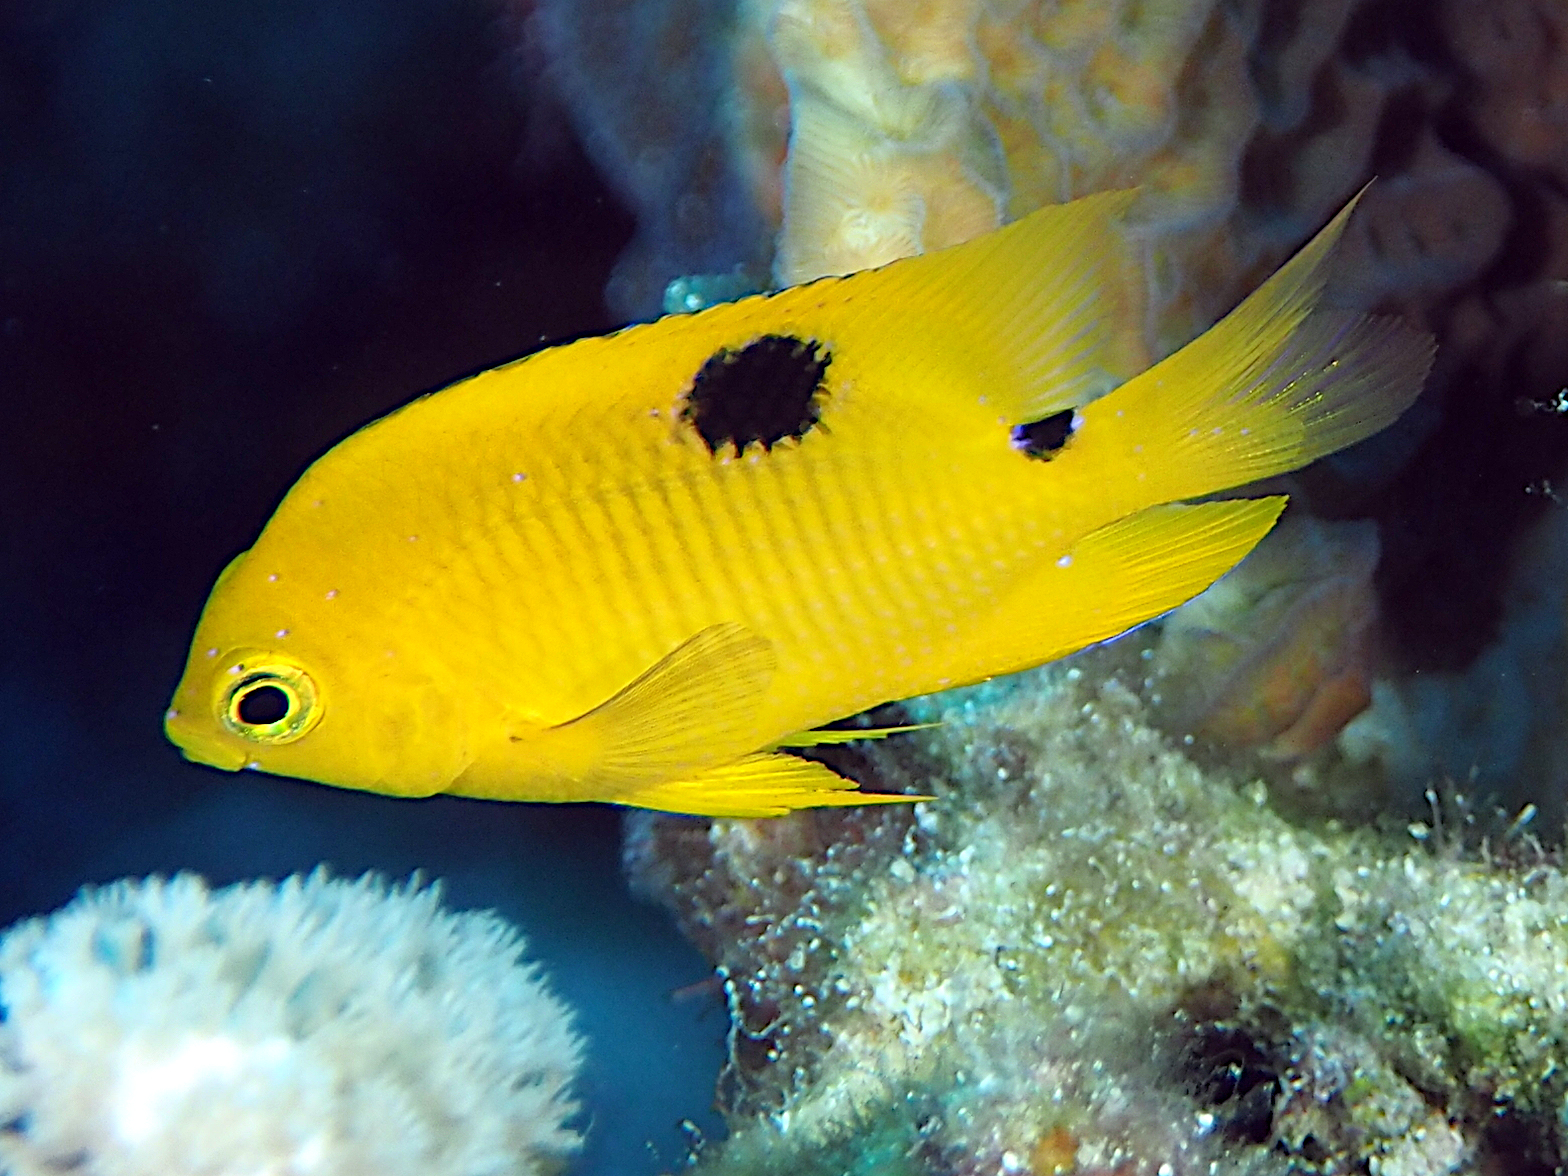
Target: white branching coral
x,y
316,1027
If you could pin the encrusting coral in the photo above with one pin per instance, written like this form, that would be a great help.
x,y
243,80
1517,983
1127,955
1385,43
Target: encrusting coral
x,y
1089,956
313,1027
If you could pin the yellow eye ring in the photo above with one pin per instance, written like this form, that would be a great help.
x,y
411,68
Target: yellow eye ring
x,y
275,703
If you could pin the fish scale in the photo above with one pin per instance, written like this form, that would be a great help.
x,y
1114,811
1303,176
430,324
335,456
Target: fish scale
x,y
625,570
798,569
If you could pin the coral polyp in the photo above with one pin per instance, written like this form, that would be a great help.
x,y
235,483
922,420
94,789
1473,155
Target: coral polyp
x,y
316,1027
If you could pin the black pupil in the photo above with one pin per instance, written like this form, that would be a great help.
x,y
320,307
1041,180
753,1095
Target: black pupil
x,y
261,705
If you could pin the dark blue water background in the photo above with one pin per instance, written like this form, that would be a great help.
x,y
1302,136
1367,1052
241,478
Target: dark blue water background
x,y
230,234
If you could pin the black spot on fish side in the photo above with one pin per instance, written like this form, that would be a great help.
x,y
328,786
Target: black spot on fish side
x,y
1043,439
761,393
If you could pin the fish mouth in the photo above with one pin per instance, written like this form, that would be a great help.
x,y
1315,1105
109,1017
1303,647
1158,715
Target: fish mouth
x,y
199,746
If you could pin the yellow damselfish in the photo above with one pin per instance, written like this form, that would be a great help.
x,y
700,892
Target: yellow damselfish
x,y
631,569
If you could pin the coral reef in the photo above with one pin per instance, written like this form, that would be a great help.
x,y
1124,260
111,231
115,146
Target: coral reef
x,y
865,131
315,1026
1087,955
1246,125
1092,954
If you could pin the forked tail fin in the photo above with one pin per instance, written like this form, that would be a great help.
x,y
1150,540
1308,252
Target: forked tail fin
x,y
1274,385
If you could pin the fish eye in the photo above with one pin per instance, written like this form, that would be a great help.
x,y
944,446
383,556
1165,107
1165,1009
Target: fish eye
x,y
270,704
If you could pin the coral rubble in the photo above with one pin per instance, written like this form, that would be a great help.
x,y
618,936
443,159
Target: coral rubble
x,y
315,1027
1087,955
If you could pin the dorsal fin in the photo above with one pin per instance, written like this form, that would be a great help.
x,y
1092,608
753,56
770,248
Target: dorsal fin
x,y
1046,311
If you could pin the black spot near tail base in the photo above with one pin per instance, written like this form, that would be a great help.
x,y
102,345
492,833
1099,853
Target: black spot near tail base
x,y
761,393
1043,439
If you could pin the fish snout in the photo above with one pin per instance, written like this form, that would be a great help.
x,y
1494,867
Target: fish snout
x,y
192,733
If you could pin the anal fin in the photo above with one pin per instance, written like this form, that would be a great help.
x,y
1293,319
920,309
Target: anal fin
x,y
767,784
1120,576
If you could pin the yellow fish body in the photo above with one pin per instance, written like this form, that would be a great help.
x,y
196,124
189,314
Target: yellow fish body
x,y
631,568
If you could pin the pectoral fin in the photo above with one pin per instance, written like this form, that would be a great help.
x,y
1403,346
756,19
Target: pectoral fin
x,y
763,785
692,709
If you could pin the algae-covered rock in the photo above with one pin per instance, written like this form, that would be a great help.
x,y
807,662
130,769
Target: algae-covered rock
x,y
1089,955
